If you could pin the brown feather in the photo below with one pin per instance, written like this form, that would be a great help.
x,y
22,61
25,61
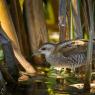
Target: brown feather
x,y
72,46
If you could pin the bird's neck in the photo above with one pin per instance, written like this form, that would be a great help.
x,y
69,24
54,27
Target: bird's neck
x,y
52,57
48,54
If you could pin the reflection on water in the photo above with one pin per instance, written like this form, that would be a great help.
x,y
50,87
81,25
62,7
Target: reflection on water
x,y
34,86
47,85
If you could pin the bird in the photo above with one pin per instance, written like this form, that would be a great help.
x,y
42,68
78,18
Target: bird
x,y
67,54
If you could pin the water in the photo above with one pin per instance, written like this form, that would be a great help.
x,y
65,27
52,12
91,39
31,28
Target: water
x,y
34,86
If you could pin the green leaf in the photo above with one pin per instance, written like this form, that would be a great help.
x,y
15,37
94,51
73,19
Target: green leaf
x,y
1,55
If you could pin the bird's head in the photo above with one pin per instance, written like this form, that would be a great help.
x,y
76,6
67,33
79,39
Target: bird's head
x,y
47,49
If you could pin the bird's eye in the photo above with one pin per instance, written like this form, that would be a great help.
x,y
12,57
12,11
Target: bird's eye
x,y
43,49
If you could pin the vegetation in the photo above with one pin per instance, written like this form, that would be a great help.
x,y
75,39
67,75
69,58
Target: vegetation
x,y
30,23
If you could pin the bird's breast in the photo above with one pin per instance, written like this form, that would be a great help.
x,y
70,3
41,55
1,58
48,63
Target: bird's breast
x,y
57,60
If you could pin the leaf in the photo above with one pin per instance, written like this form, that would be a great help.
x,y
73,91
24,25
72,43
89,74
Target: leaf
x,y
1,55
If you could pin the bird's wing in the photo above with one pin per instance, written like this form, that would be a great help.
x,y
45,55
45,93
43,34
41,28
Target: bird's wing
x,y
72,46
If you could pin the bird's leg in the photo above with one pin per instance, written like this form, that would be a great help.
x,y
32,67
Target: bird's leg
x,y
65,70
58,72
59,80
73,70
60,83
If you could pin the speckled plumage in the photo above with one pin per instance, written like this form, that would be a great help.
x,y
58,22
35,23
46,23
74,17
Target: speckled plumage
x,y
69,54
72,61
